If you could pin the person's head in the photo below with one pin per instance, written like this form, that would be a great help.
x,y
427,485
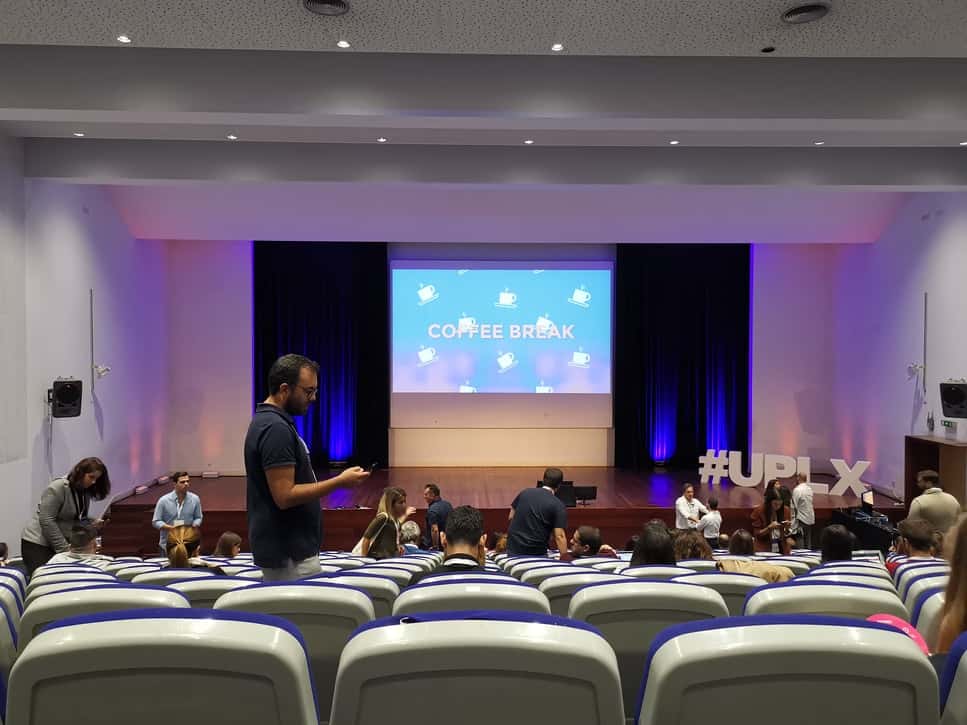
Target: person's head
x,y
654,546
928,479
464,533
183,543
916,537
182,481
90,475
741,543
294,383
713,504
3,551
553,478
431,492
772,504
229,545
410,533
500,544
692,545
393,502
774,483
836,543
688,491
83,539
956,596
586,541
800,478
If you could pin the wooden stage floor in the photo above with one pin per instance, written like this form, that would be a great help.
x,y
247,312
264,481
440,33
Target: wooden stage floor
x,y
626,499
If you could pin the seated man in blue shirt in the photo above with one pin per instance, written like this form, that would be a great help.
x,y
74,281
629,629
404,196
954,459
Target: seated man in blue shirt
x,y
410,538
464,542
179,508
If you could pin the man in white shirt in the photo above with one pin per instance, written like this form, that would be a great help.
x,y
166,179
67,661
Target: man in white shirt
x,y
711,524
688,509
934,504
83,549
804,515
178,508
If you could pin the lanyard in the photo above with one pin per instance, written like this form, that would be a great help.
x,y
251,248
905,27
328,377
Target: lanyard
x,y
180,507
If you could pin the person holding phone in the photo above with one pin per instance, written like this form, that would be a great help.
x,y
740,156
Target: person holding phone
x,y
770,524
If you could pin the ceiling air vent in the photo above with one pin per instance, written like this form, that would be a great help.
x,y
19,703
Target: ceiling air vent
x,y
805,13
327,7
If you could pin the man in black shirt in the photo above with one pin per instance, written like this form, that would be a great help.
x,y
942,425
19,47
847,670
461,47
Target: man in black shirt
x,y
465,544
436,516
535,514
284,518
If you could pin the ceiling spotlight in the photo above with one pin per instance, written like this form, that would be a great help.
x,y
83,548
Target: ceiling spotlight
x,y
331,8
528,141
232,137
674,142
382,139
343,43
963,143
818,143
557,47
124,39
78,134
805,13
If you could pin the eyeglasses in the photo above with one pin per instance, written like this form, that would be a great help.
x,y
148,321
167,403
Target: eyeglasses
x,y
310,392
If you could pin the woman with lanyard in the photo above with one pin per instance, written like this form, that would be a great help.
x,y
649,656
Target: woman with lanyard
x,y
64,503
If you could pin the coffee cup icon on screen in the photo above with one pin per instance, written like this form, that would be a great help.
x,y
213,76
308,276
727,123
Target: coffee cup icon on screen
x,y
544,389
467,388
426,293
580,359
466,324
426,355
507,299
544,324
580,297
506,361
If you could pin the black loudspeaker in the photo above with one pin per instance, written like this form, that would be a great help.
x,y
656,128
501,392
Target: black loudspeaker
x,y
953,397
65,398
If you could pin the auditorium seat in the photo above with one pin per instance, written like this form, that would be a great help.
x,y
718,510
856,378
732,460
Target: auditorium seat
x,y
62,586
15,579
239,569
129,572
830,575
157,667
698,565
953,684
909,563
497,576
165,576
204,592
253,574
921,584
856,563
57,577
118,564
63,568
415,564
630,615
791,669
326,615
89,600
477,668
396,564
592,560
802,596
614,566
470,594
733,587
656,571
10,602
518,568
381,590
796,566
909,575
343,562
868,554
10,591
400,576
158,560
927,614
535,576
857,570
8,643
559,588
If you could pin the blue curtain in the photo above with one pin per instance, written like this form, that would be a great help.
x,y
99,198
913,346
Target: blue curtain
x,y
681,349
329,302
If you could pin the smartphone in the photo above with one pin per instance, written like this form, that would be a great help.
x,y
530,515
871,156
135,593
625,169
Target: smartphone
x,y
373,467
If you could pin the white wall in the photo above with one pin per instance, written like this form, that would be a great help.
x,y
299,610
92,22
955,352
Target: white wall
x,y
879,330
15,490
209,302
792,351
77,241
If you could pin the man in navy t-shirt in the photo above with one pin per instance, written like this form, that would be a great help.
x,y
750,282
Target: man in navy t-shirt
x,y
284,519
436,516
535,515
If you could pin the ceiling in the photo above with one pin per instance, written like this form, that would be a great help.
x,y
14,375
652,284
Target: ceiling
x,y
853,28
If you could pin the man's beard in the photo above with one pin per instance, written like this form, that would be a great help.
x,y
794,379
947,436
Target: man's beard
x,y
292,408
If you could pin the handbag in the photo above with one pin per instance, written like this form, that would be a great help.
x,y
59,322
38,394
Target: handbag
x,y
358,549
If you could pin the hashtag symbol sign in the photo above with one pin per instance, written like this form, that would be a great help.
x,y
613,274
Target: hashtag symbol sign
x,y
713,466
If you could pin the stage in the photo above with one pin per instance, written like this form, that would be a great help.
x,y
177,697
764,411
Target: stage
x,y
626,499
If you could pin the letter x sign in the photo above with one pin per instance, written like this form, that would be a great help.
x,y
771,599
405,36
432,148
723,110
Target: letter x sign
x,y
849,478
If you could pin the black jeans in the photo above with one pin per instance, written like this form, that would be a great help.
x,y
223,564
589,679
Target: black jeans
x,y
34,555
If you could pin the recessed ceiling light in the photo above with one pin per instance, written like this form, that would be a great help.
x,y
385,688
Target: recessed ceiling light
x,y
805,13
963,143
557,47
79,134
528,141
342,43
818,143
232,137
674,142
382,139
124,39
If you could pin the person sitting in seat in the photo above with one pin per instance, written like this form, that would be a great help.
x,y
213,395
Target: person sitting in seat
x,y
381,539
3,553
410,537
183,547
915,542
741,543
586,541
836,543
229,545
691,545
654,545
464,542
83,549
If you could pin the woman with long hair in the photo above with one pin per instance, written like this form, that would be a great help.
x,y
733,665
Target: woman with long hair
x,y
954,622
654,545
691,545
770,523
229,545
64,503
382,537
182,547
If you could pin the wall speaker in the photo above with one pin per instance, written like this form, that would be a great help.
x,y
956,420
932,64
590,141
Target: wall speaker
x,y
65,398
953,397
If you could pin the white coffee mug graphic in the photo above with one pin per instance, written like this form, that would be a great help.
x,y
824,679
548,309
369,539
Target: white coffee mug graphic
x,y
544,389
466,324
426,292
581,296
429,353
467,389
581,358
507,298
506,360
544,323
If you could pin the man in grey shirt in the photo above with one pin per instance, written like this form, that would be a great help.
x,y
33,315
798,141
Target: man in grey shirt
x,y
934,504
